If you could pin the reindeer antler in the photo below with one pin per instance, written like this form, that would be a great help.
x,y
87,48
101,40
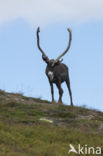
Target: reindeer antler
x,y
69,44
38,43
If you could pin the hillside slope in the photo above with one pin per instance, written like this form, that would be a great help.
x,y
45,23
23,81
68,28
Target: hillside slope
x,y
35,127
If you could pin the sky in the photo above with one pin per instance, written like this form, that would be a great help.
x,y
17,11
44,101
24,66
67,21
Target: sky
x,y
21,65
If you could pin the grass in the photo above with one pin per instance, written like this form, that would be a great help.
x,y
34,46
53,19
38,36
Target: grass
x,y
42,139
22,133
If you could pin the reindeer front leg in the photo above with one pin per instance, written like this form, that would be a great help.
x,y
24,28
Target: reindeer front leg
x,y
52,90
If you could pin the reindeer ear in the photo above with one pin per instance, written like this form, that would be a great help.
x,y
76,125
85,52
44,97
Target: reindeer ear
x,y
45,58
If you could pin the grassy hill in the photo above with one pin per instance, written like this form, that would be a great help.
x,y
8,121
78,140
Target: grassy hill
x,y
35,127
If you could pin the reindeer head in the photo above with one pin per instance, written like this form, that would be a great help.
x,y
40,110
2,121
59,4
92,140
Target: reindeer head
x,y
52,62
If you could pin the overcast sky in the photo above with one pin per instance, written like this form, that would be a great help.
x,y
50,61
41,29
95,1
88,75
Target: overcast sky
x,y
45,11
21,65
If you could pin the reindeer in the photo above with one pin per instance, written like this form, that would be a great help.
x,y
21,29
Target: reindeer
x,y
56,71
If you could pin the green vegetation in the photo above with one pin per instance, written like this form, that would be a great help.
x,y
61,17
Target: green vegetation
x,y
22,133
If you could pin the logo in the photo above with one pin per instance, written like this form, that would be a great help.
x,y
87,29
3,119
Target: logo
x,y
85,150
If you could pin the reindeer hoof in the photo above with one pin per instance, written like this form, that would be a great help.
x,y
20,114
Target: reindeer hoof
x,y
60,102
53,101
72,105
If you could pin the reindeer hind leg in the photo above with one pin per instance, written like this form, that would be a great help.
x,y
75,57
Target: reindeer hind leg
x,y
60,92
69,89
